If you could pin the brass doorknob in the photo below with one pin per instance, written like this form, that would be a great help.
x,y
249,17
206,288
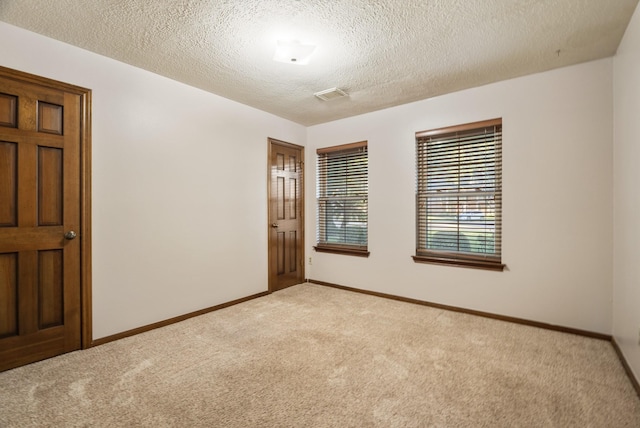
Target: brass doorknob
x,y
274,225
70,235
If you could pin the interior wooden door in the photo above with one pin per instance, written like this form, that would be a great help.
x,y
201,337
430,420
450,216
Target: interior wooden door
x,y
40,215
286,215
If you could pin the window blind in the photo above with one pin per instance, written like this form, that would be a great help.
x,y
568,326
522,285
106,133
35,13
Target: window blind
x,y
459,192
342,195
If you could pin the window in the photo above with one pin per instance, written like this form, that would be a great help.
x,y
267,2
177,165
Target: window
x,y
459,195
342,194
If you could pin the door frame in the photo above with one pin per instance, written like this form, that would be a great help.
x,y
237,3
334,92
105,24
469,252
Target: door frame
x,y
270,143
86,326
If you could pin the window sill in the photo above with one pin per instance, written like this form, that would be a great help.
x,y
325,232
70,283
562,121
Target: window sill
x,y
342,250
474,264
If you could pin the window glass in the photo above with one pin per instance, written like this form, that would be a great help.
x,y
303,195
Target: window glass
x,y
342,195
459,194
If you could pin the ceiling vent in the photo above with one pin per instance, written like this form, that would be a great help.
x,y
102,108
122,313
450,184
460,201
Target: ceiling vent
x,y
331,94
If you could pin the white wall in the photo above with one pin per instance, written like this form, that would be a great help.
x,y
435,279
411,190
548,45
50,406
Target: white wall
x,y
179,186
557,227
626,254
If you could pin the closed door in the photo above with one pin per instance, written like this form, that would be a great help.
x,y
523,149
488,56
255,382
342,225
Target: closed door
x,y
286,208
40,220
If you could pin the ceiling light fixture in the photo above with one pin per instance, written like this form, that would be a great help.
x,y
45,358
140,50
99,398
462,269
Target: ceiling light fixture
x,y
331,94
293,52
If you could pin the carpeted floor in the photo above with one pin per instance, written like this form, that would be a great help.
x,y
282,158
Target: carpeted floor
x,y
312,356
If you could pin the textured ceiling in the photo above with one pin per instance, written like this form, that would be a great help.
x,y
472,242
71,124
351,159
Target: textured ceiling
x,y
382,52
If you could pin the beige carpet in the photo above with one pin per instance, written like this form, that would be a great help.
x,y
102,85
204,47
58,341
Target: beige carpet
x,y
312,356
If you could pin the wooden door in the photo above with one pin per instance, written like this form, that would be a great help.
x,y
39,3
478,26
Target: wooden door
x,y
286,219
40,219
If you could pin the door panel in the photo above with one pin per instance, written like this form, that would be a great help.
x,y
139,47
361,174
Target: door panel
x,y
49,186
286,231
8,191
40,200
8,294
8,110
50,286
